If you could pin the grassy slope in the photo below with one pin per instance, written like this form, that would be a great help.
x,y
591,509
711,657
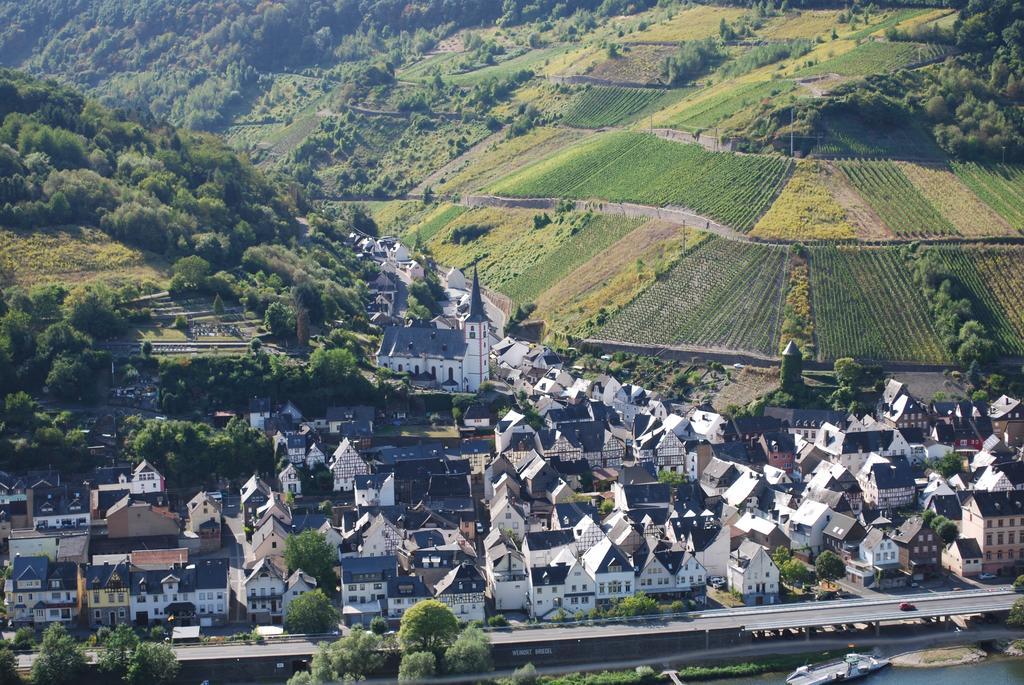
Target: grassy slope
x,y
72,255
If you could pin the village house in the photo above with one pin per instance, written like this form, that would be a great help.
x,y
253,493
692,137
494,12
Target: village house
x,y
754,575
995,521
104,594
463,591
39,592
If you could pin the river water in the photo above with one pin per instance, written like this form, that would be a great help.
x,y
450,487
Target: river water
x,y
992,671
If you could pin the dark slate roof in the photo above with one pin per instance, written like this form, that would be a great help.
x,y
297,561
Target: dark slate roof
x,y
731,451
417,341
840,527
211,574
756,424
477,311
359,412
98,575
867,441
475,412
806,418
463,579
947,505
571,513
259,405
896,474
446,486
908,530
366,569
967,547
548,539
649,493
1005,503
638,474
554,574
779,441
407,586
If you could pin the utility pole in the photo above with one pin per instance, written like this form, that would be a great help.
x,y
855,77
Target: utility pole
x,y
1004,154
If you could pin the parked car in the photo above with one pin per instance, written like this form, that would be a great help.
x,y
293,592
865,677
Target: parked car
x,y
907,606
986,576
717,582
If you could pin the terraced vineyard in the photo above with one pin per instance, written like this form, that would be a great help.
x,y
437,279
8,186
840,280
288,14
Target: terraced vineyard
x,y
713,109
866,306
435,222
875,57
955,201
597,233
722,294
900,205
845,136
1001,186
995,280
599,106
805,210
637,167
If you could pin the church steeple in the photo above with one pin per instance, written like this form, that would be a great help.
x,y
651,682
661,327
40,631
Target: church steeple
x,y
477,312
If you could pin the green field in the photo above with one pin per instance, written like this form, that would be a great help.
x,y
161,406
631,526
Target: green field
x,y
638,167
1001,186
874,57
890,193
722,294
596,233
994,278
866,305
434,222
710,111
599,106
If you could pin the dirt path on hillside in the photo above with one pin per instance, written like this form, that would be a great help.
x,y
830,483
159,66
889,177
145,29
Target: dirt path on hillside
x,y
680,216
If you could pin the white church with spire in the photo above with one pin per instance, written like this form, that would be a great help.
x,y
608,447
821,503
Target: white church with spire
x,y
456,360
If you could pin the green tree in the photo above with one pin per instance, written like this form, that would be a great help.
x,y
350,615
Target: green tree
x,y
948,531
60,660
379,625
416,666
428,626
218,305
793,572
310,551
781,555
279,319
20,409
1015,619
91,309
190,273
70,378
948,464
639,604
356,656
117,652
829,567
470,653
331,368
525,675
8,667
849,373
152,664
311,612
